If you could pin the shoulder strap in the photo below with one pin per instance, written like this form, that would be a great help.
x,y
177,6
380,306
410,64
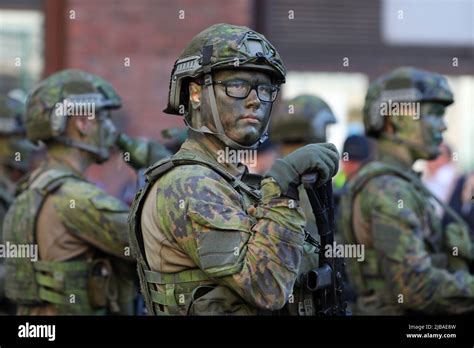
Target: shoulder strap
x,y
53,179
378,168
184,158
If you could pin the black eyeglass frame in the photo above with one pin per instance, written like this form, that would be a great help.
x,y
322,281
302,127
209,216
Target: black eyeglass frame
x,y
253,86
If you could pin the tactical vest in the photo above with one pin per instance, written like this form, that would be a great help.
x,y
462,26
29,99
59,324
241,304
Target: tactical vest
x,y
29,283
366,276
173,293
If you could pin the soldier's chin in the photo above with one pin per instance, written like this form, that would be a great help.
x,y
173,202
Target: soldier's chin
x,y
248,138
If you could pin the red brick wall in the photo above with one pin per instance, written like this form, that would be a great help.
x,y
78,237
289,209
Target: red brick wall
x,y
150,33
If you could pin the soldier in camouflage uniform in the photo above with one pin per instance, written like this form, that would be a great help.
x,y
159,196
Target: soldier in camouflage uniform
x,y
84,265
15,153
209,238
411,264
300,121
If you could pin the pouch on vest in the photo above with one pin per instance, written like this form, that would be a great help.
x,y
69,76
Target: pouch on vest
x,y
102,286
20,281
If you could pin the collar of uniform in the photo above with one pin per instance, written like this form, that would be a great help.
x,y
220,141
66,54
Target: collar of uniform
x,y
210,147
54,163
393,153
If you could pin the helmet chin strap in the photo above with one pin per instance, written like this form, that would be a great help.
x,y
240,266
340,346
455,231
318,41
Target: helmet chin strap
x,y
217,122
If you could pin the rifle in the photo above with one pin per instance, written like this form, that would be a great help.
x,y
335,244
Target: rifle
x,y
325,282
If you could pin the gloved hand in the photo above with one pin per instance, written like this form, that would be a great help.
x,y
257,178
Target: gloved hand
x,y
457,236
322,159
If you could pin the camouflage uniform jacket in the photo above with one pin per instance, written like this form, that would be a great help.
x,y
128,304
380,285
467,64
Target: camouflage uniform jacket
x,y
213,249
6,197
406,266
76,223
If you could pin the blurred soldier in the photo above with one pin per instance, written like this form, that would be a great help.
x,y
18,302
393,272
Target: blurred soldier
x,y
175,137
356,151
15,153
83,266
301,121
410,264
140,153
209,237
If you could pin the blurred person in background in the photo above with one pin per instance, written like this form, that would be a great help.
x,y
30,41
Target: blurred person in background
x,y
441,175
356,151
16,154
412,264
81,265
267,153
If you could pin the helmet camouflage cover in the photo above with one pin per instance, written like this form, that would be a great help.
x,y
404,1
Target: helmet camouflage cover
x,y
405,84
302,119
15,151
11,113
75,86
221,46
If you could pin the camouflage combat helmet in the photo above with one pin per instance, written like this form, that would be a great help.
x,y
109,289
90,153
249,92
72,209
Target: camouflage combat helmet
x,y
303,119
11,113
47,105
15,151
221,47
405,84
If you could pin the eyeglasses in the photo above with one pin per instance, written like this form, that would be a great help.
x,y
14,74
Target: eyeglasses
x,y
241,89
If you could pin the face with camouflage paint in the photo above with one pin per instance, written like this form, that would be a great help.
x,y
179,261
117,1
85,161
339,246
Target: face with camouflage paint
x,y
101,133
243,120
423,135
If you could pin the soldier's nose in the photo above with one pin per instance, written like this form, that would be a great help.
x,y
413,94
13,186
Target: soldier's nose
x,y
252,99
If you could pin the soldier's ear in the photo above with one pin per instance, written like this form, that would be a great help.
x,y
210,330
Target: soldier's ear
x,y
195,95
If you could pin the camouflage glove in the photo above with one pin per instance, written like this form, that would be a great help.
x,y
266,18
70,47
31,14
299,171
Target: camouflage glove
x,y
457,236
320,158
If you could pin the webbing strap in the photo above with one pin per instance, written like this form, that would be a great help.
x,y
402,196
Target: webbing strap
x,y
165,299
388,168
194,158
188,276
65,266
52,297
48,281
